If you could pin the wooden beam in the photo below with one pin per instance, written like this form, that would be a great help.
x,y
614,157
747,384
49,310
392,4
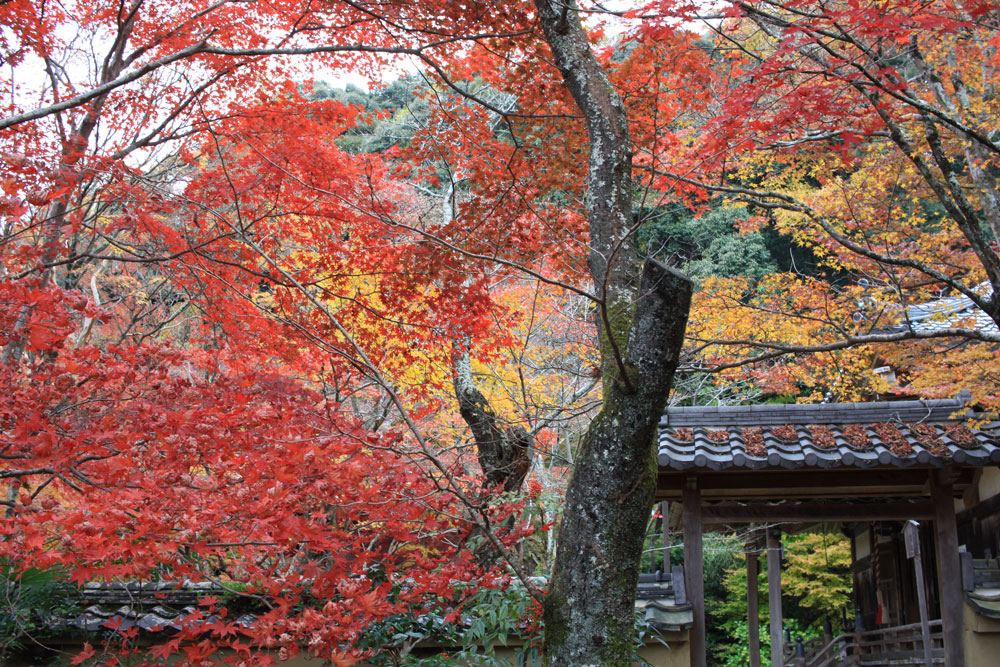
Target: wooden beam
x,y
949,567
725,512
774,595
988,507
753,608
806,483
694,578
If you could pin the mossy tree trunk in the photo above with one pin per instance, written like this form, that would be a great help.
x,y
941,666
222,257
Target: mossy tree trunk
x,y
589,608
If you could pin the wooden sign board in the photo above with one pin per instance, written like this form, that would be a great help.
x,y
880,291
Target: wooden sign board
x,y
911,538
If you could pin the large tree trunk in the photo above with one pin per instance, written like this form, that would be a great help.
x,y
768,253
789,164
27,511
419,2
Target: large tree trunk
x,y
589,612
589,609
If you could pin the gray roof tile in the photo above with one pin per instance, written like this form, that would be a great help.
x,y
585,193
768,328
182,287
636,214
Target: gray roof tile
x,y
947,312
886,433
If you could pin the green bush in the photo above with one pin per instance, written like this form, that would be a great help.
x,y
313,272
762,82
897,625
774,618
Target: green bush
x,y
31,603
816,583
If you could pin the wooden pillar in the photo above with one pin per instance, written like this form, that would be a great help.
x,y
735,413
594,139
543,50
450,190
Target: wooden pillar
x,y
753,606
911,536
949,567
694,578
665,523
774,595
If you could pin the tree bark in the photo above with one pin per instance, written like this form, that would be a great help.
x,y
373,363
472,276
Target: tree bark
x,y
504,453
589,608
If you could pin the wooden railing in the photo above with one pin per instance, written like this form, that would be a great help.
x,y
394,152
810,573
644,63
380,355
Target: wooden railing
x,y
900,645
795,651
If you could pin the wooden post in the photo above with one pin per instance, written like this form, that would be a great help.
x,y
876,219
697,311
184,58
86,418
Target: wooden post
x,y
911,535
753,607
694,578
664,518
949,568
774,595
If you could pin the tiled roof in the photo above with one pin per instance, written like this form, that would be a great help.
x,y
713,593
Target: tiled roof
x,y
948,312
151,607
829,435
664,604
163,607
985,603
981,583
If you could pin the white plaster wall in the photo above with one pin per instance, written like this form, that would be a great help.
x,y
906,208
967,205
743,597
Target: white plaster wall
x,y
989,483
